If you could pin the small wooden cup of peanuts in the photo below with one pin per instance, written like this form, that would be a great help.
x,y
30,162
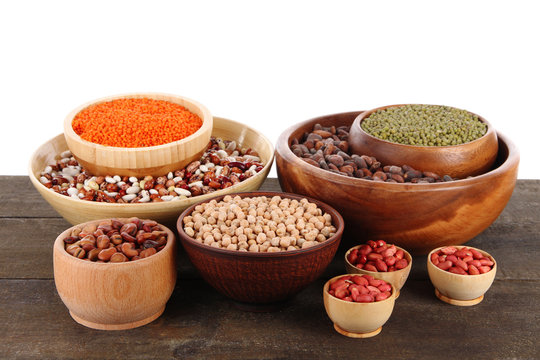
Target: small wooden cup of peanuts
x,y
259,224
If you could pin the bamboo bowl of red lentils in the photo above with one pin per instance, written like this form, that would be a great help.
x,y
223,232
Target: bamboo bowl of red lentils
x,y
138,134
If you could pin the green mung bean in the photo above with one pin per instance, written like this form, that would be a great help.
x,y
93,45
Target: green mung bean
x,y
424,125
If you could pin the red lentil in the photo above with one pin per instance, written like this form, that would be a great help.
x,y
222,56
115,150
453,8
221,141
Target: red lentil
x,y
135,123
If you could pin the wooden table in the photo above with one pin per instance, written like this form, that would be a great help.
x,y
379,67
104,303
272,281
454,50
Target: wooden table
x,y
200,323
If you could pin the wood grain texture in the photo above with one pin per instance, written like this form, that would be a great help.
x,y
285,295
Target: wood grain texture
x,y
262,278
459,161
201,323
417,217
77,211
152,160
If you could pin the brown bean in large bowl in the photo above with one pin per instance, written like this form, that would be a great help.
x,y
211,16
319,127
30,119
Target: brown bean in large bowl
x,y
261,281
417,217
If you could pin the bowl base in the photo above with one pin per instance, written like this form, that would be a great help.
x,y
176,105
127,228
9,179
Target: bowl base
x,y
451,301
357,335
125,326
255,307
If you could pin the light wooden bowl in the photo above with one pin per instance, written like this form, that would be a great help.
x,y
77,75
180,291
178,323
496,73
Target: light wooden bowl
x,y
115,296
79,211
397,278
357,320
152,160
461,290
262,281
417,217
458,161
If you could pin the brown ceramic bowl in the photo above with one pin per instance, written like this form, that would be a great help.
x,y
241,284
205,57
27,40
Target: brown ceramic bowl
x,y
357,320
396,278
417,217
262,279
461,290
458,161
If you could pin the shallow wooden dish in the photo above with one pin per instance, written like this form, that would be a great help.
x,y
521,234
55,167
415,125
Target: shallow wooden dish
x,y
152,160
417,217
261,279
458,161
396,278
77,211
461,290
115,296
357,320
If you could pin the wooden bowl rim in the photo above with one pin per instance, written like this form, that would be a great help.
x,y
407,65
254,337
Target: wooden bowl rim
x,y
379,272
206,121
247,254
59,246
155,205
460,276
283,149
327,285
361,117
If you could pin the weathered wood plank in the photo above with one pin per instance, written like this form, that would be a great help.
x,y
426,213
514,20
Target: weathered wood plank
x,y
199,323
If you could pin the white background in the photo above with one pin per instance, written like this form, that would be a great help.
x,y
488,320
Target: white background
x,y
269,64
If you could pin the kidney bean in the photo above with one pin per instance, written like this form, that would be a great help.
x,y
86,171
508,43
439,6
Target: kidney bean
x,y
106,254
473,270
445,265
401,264
370,267
381,265
449,250
374,256
390,260
484,269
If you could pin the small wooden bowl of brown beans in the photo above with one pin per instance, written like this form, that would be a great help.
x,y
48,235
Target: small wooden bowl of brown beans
x,y
115,274
260,248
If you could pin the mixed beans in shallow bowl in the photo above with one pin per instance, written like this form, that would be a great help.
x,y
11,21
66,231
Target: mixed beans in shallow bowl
x,y
98,201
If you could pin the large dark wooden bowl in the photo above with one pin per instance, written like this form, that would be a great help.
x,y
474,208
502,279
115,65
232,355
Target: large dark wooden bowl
x,y
459,161
262,279
417,217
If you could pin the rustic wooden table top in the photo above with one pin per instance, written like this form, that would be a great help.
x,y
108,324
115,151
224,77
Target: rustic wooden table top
x,y
200,323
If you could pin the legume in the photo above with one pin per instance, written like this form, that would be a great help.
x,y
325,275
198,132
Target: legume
x,y
116,241
259,224
464,261
328,148
222,165
378,256
135,123
425,125
360,288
